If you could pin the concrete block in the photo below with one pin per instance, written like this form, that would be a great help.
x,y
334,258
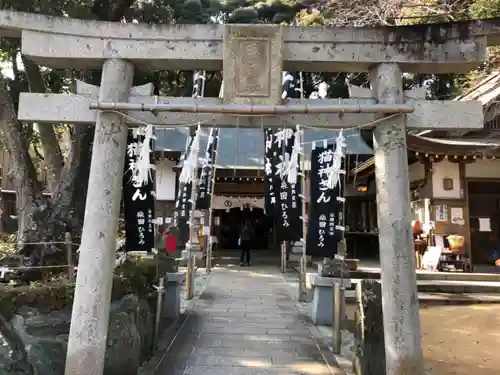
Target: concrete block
x,y
298,248
322,304
328,282
172,298
297,257
196,254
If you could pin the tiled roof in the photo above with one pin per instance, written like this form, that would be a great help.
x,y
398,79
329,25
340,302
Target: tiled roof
x,y
244,148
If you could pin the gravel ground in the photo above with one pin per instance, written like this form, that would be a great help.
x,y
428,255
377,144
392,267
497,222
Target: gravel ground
x,y
456,340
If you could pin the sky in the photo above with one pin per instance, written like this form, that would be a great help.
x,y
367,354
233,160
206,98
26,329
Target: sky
x,y
6,67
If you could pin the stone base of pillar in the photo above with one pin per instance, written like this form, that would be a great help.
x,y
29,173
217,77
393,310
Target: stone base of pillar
x,y
172,303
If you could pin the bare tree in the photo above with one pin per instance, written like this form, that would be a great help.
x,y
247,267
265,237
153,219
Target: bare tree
x,y
360,13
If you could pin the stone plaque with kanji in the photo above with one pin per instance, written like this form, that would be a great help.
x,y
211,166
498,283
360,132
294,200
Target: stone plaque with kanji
x,y
252,64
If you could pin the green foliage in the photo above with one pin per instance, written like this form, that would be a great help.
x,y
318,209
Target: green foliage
x,y
307,17
7,245
135,276
484,9
304,12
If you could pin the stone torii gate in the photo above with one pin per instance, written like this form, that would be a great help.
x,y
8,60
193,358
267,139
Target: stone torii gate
x,y
252,58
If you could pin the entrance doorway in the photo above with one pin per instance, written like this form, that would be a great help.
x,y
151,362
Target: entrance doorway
x,y
484,205
230,224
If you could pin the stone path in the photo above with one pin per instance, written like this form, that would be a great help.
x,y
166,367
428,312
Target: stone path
x,y
246,323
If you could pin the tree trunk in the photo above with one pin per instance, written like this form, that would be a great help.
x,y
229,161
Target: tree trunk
x,y
44,219
53,158
28,188
2,212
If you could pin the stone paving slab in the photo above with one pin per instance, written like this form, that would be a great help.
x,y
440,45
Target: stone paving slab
x,y
246,322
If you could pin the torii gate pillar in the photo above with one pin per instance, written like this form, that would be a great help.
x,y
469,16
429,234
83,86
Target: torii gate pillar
x,y
399,283
89,320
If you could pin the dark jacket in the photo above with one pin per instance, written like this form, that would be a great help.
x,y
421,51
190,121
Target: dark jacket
x,y
247,233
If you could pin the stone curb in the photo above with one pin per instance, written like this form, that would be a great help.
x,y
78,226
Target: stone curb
x,y
170,334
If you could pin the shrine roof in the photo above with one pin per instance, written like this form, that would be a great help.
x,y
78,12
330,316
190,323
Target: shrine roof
x,y
244,148
455,147
463,147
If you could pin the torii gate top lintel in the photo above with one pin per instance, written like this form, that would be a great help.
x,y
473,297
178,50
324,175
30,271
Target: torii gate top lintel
x,y
60,42
252,58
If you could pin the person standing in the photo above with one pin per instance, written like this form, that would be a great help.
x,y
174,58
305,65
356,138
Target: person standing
x,y
246,236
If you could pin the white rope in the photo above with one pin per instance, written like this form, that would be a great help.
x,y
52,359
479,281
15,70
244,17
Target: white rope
x,y
293,166
191,162
143,166
336,170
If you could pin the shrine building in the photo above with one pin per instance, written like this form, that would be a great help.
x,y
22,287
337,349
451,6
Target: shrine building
x,y
239,176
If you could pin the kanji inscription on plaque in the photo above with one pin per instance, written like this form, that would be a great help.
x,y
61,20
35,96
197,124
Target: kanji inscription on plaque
x,y
253,64
252,68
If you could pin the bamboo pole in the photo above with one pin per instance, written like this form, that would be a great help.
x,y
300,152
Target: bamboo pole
x,y
159,300
190,276
303,259
339,289
245,109
210,218
69,255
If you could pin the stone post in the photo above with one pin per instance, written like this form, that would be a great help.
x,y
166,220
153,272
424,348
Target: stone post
x,y
399,284
193,245
90,317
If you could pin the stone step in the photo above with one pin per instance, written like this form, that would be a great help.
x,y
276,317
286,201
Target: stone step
x,y
458,287
444,298
424,286
373,272
452,287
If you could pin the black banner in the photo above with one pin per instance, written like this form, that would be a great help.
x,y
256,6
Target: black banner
x,y
182,212
289,224
183,204
282,200
205,186
138,198
271,182
183,199
323,219
275,147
